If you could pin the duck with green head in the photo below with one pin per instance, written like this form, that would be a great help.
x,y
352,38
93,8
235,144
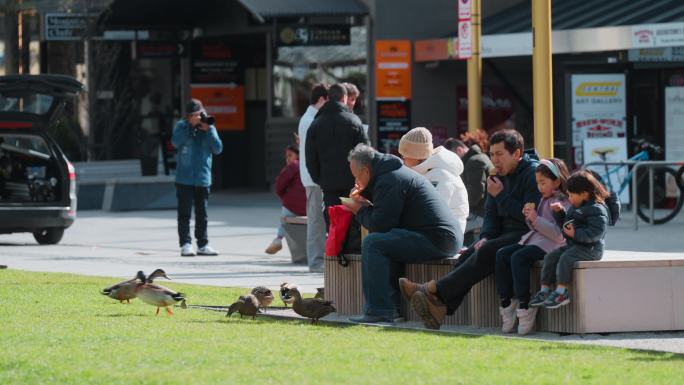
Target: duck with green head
x,y
157,295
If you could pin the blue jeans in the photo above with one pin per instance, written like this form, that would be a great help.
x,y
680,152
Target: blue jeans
x,y
189,196
383,256
283,214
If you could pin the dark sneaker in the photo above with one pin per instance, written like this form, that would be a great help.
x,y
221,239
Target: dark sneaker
x,y
374,319
539,298
556,300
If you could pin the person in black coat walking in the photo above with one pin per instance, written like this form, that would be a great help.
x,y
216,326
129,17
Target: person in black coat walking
x,y
334,132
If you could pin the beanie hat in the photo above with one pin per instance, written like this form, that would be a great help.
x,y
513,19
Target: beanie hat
x,y
193,106
416,144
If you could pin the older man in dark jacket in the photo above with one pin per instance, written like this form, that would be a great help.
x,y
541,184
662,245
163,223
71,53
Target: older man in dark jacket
x,y
333,133
504,224
408,220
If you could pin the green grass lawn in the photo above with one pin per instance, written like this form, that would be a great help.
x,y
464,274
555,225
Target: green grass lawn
x,y
57,329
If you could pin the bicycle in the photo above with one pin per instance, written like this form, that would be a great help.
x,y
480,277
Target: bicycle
x,y
661,202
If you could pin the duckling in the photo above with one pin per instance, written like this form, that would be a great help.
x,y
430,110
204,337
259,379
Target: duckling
x,y
264,295
125,290
247,304
320,293
284,293
313,308
157,295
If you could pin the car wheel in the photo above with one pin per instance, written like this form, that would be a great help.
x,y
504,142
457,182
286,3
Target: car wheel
x,y
49,236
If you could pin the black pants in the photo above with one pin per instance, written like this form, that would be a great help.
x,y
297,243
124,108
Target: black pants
x,y
513,265
473,267
353,241
187,197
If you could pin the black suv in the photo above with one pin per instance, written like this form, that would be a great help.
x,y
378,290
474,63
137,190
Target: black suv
x,y
37,182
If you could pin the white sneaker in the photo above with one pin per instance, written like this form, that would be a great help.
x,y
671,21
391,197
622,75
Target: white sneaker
x,y
207,250
187,250
508,317
526,320
275,246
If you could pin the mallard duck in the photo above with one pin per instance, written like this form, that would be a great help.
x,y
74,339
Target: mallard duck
x,y
125,290
313,308
247,304
320,293
284,293
264,295
156,295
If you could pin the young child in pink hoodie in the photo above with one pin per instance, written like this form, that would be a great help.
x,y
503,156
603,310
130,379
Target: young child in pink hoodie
x,y
513,263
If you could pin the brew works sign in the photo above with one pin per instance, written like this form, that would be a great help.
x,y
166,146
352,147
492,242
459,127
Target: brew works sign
x,y
598,109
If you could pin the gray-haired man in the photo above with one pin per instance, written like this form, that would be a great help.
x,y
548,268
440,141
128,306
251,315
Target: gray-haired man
x,y
408,220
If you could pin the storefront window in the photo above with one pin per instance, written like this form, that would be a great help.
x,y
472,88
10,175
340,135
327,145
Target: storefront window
x,y
297,69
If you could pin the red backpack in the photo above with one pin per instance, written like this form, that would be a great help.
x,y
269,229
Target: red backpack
x,y
340,221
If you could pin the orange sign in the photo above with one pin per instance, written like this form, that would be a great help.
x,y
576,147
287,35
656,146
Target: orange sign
x,y
393,69
225,102
431,50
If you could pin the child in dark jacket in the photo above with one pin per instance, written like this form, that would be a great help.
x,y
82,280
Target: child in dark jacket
x,y
291,193
584,227
514,262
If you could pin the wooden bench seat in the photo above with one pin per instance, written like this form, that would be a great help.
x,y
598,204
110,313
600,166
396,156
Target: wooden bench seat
x,y
607,295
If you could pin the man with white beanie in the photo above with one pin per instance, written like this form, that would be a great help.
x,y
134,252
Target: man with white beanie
x,y
440,166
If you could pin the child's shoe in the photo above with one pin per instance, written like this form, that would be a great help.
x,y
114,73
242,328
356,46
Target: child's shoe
x,y
526,320
508,317
539,298
275,246
556,300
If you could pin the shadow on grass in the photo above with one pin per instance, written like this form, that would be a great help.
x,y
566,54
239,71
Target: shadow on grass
x,y
119,315
649,356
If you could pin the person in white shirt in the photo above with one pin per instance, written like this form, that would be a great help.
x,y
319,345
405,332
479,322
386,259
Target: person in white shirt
x,y
440,166
315,226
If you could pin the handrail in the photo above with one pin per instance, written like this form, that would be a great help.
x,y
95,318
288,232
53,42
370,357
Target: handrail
x,y
651,164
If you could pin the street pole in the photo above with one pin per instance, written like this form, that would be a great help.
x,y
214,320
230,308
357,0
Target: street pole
x,y
542,72
475,72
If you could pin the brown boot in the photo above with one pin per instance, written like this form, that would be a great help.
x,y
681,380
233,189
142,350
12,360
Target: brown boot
x,y
430,311
409,288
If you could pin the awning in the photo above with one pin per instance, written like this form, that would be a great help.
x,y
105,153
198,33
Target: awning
x,y
580,14
270,9
578,26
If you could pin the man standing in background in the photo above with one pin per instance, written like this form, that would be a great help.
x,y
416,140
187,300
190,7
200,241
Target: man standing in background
x,y
315,224
333,133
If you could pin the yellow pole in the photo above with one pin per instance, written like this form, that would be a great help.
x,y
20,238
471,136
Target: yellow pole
x,y
542,72
475,72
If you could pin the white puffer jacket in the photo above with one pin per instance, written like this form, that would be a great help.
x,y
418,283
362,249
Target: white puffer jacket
x,y
443,169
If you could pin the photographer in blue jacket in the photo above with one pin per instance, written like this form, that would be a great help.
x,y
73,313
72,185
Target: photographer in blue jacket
x,y
196,140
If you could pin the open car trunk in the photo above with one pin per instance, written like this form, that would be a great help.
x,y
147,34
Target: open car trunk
x,y
30,171
33,170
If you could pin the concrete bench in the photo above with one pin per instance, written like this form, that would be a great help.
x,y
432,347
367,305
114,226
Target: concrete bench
x,y
91,179
295,236
140,193
607,296
118,185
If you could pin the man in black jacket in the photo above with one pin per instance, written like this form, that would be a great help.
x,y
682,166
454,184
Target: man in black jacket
x,y
333,133
408,220
504,224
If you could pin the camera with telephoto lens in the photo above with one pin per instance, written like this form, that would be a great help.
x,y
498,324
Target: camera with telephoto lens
x,y
207,119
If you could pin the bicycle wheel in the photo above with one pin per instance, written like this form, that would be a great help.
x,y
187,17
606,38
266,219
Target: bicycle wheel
x,y
680,177
665,208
